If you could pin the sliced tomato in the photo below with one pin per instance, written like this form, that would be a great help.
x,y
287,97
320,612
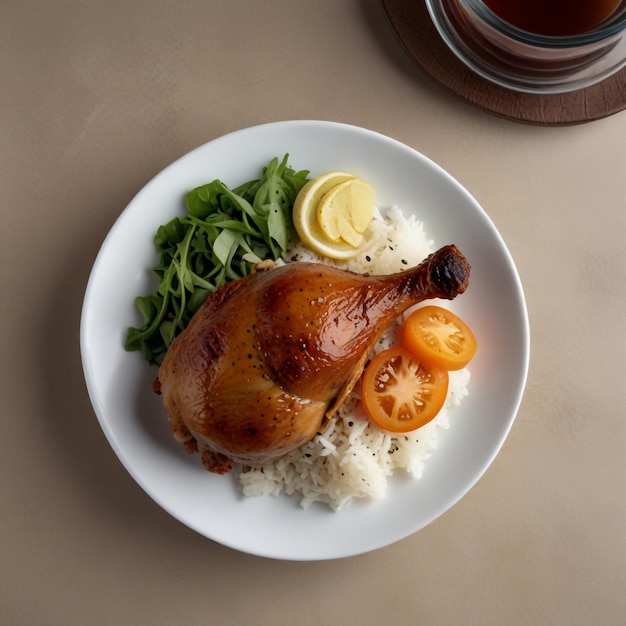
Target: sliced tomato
x,y
439,337
400,393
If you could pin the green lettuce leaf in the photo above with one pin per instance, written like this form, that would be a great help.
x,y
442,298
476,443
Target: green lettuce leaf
x,y
223,234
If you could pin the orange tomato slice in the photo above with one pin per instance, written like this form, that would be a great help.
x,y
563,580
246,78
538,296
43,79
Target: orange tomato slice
x,y
400,393
439,337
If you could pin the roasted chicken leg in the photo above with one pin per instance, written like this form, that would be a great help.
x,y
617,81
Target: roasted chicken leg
x,y
268,356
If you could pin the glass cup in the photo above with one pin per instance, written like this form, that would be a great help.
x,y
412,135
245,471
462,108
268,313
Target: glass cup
x,y
525,61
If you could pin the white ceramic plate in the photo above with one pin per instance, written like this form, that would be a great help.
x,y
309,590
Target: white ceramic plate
x,y
134,421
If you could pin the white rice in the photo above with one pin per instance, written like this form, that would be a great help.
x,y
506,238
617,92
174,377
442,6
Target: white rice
x,y
351,458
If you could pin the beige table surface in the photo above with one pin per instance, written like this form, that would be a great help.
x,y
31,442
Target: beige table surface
x,y
95,99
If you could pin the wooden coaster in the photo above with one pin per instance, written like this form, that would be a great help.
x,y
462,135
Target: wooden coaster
x,y
411,22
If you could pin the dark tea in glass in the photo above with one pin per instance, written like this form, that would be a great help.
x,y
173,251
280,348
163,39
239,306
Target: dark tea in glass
x,y
535,46
555,18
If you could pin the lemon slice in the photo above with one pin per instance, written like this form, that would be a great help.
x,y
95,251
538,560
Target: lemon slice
x,y
305,213
313,232
345,212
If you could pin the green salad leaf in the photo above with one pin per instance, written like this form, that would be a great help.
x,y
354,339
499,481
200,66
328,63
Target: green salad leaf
x,y
223,235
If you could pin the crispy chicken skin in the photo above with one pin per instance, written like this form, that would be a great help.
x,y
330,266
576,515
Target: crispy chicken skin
x,y
269,356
